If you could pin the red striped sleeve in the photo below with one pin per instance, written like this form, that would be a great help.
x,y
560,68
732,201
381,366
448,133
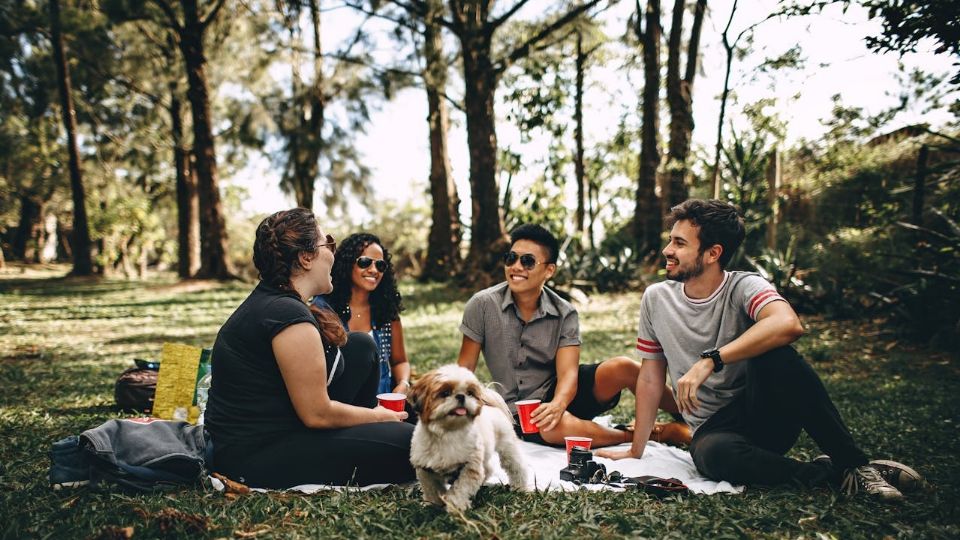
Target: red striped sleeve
x,y
761,299
646,346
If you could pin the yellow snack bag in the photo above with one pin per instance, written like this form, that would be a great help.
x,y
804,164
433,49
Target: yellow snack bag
x,y
177,383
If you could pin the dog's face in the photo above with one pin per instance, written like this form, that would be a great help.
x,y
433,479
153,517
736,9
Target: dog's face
x,y
449,396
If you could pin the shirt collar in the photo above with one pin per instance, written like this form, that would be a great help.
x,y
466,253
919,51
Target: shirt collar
x,y
546,307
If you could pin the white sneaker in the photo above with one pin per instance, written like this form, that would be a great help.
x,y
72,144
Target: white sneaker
x,y
898,475
867,478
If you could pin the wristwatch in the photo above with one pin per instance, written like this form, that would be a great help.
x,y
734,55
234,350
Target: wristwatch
x,y
713,354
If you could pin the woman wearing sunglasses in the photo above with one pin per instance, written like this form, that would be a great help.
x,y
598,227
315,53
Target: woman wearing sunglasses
x,y
293,399
365,297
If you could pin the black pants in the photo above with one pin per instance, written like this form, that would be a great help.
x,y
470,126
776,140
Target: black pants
x,y
358,455
745,442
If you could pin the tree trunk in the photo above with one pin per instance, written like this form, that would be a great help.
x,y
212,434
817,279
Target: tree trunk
x,y
680,100
213,234
82,261
919,185
23,245
578,138
306,137
487,236
188,205
647,222
443,247
314,124
774,181
729,48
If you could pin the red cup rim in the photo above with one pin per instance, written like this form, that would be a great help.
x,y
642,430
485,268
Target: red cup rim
x,y
391,396
528,402
578,439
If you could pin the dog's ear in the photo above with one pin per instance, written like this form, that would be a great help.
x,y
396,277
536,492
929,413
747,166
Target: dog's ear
x,y
416,394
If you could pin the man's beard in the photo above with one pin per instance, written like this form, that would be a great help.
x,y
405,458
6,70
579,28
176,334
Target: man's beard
x,y
686,275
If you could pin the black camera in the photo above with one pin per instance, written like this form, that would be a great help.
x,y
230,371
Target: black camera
x,y
582,468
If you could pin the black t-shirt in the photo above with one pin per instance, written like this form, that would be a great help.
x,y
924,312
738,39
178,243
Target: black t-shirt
x,y
249,405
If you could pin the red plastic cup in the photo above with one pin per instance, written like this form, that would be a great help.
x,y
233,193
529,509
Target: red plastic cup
x,y
524,409
392,401
581,442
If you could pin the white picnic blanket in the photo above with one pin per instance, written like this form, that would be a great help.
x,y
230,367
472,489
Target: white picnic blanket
x,y
658,460
545,462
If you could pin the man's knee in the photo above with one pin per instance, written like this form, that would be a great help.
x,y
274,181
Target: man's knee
x,y
715,454
621,369
783,363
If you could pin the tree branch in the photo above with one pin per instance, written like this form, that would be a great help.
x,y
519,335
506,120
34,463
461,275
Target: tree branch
x,y
944,135
524,49
171,15
369,13
212,14
493,25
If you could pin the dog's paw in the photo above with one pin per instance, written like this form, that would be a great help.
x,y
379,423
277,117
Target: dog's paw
x,y
456,505
433,500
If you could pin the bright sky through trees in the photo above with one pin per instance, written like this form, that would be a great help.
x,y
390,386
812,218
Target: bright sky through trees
x,y
832,44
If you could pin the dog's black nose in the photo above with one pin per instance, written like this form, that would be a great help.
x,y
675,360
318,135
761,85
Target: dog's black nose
x,y
461,398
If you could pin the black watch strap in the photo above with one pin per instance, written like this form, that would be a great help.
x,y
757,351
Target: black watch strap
x,y
713,354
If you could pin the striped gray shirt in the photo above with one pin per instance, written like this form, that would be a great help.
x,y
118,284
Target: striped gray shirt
x,y
521,356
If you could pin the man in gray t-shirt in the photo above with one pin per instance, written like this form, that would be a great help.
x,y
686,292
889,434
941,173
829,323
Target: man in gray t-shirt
x,y
724,338
530,339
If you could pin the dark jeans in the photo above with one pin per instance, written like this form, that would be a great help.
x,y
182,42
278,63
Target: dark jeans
x,y
745,442
358,455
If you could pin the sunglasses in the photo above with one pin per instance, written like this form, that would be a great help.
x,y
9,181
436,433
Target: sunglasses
x,y
330,243
365,262
527,260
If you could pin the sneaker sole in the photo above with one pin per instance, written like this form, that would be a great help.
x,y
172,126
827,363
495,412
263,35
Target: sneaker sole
x,y
909,479
66,485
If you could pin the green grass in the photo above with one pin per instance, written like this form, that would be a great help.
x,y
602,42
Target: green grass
x,y
64,341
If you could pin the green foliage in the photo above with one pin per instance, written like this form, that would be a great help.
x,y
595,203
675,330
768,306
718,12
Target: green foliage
x,y
859,255
905,24
402,228
63,342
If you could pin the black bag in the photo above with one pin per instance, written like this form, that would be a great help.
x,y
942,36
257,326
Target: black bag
x,y
135,388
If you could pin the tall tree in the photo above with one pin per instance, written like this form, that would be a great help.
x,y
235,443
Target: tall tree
x,y
443,247
302,121
680,100
188,203
729,47
646,221
82,259
190,35
475,26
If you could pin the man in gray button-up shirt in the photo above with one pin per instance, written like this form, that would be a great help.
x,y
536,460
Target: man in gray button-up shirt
x,y
530,339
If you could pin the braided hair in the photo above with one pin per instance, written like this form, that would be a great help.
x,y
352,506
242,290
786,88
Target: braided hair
x,y
385,301
280,240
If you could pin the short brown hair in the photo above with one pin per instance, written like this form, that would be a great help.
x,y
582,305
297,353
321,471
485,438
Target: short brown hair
x,y
719,222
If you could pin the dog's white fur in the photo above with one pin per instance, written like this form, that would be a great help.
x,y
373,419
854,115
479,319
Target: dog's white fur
x,y
461,424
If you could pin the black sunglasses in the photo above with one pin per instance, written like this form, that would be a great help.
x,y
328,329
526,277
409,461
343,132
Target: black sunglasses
x,y
527,260
330,243
365,262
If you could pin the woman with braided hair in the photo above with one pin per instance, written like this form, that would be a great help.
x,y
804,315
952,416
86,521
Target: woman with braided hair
x,y
293,398
365,297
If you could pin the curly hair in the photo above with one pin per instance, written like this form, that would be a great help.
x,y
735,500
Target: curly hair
x,y
281,238
385,301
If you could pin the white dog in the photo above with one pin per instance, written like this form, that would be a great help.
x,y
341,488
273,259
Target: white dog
x,y
461,424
